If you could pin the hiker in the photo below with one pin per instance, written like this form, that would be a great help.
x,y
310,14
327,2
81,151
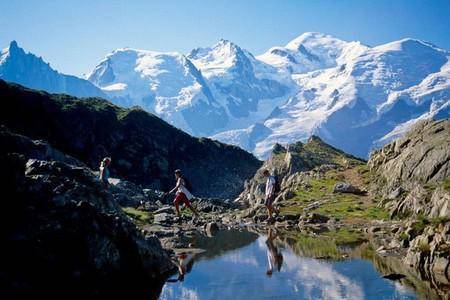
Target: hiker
x,y
104,171
182,193
274,255
272,187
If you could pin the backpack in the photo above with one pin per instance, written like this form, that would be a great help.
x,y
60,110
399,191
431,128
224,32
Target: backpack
x,y
277,186
187,184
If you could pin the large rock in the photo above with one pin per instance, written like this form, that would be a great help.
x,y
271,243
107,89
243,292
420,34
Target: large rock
x,y
163,218
430,253
440,204
411,170
421,156
344,187
63,234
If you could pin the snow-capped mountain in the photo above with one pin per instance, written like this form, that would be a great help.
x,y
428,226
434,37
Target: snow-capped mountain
x,y
29,70
358,101
353,96
312,51
167,84
247,88
211,89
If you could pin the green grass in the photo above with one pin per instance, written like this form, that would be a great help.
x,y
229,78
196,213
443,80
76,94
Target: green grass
x,y
439,220
446,184
424,247
341,206
315,246
365,174
326,245
348,208
139,217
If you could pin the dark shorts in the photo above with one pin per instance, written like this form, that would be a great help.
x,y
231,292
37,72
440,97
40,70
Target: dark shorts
x,y
181,197
269,200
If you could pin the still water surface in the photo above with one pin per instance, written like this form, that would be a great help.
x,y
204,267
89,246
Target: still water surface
x,y
239,268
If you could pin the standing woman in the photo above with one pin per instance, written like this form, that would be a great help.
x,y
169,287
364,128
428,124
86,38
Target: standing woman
x,y
182,193
104,171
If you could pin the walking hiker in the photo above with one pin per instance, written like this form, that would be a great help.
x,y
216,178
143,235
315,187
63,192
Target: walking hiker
x,y
272,188
104,171
182,193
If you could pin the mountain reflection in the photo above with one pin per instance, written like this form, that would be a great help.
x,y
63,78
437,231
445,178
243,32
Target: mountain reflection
x,y
242,274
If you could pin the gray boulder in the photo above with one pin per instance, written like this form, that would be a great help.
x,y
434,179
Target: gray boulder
x,y
344,187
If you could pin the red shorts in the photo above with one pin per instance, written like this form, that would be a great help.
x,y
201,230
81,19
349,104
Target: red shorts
x,y
181,197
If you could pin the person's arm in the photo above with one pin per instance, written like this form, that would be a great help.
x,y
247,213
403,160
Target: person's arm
x,y
176,187
102,172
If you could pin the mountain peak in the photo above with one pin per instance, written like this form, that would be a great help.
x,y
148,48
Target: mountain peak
x,y
226,45
313,38
14,48
408,44
13,45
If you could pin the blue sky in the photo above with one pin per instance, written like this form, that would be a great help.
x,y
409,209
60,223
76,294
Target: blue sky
x,y
75,35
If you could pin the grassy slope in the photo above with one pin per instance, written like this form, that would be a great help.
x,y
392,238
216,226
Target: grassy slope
x,y
348,208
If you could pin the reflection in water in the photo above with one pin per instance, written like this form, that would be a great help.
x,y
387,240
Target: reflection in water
x,y
241,274
184,262
274,255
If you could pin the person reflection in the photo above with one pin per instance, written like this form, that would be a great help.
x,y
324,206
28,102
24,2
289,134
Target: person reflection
x,y
184,262
274,255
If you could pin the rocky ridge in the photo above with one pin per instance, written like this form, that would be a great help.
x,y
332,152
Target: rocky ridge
x,y
144,149
63,234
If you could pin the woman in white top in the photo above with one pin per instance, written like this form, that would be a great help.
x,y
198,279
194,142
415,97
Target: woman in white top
x,y
182,194
104,171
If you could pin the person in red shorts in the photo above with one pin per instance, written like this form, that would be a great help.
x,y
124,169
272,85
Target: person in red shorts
x,y
182,193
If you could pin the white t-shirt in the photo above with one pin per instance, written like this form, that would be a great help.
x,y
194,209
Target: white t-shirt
x,y
270,185
183,189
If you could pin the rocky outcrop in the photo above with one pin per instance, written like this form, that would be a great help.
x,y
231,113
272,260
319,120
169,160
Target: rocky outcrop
x,y
144,149
294,165
63,235
411,176
421,156
430,253
410,173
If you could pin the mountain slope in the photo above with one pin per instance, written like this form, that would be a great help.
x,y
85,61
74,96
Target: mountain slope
x,y
31,71
357,104
311,51
144,148
247,88
210,90
167,84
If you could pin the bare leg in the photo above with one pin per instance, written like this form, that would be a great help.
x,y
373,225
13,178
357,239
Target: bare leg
x,y
177,208
269,210
194,211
